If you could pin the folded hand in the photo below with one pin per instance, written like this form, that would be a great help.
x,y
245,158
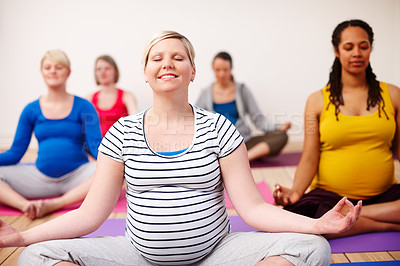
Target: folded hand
x,y
9,236
285,196
334,221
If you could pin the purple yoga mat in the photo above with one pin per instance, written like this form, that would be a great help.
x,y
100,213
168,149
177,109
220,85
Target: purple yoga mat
x,y
283,159
111,227
116,227
385,241
372,242
238,225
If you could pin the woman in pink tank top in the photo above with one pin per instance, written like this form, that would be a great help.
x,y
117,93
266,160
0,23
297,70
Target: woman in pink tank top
x,y
110,102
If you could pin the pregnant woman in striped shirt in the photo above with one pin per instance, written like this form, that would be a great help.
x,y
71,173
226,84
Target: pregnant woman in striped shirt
x,y
176,160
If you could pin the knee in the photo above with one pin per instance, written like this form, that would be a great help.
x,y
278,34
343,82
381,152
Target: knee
x,y
283,137
319,252
37,254
277,142
30,256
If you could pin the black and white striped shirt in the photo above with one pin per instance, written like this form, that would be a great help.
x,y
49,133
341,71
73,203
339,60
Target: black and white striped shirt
x,y
176,210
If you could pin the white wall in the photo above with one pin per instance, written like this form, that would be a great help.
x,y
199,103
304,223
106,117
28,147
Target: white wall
x,y
281,49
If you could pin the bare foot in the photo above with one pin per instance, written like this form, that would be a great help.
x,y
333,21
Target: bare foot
x,y
30,210
44,207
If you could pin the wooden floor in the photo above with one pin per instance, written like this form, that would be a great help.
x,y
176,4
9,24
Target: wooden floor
x,y
271,175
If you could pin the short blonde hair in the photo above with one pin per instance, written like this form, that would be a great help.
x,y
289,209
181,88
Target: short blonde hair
x,y
162,35
57,56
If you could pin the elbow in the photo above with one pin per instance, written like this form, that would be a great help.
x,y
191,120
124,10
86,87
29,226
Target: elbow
x,y
10,161
310,158
92,219
251,215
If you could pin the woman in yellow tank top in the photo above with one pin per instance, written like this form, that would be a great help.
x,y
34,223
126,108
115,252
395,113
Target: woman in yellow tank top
x,y
351,132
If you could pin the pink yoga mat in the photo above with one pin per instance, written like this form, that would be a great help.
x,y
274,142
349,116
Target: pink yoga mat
x,y
264,190
119,207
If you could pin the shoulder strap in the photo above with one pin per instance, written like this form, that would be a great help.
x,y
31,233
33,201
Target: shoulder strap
x,y
120,96
95,97
386,97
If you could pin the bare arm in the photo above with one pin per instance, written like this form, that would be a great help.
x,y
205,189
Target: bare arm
x,y
310,157
395,97
250,205
130,102
95,209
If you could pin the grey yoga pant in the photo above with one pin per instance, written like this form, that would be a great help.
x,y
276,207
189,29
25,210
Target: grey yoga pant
x,y
241,249
29,182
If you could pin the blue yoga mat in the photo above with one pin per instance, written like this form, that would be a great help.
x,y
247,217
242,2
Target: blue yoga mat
x,y
369,263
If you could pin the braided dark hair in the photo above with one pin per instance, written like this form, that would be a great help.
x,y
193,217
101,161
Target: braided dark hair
x,y
335,76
